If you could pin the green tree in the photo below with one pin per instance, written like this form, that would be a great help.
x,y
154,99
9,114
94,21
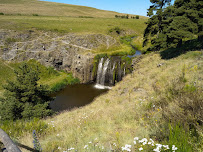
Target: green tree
x,y
172,25
24,98
154,24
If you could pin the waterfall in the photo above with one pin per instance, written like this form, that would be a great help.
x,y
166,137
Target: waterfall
x,y
110,71
111,74
99,71
124,71
104,71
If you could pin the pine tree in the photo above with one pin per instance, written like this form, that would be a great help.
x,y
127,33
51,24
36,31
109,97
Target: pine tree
x,y
173,24
24,98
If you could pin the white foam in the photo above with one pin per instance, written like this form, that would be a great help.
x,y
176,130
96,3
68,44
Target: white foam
x,y
99,86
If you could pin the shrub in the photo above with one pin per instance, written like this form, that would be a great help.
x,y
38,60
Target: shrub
x,y
1,13
35,15
116,30
137,17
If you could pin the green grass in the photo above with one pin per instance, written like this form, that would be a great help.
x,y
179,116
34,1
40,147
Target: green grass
x,y
68,24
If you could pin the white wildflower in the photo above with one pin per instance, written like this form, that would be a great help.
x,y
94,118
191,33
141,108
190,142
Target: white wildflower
x,y
86,146
136,138
144,141
166,146
127,147
156,149
174,147
57,135
140,149
114,144
59,147
71,149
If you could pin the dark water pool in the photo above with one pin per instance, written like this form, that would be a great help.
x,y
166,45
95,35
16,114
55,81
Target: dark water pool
x,y
75,96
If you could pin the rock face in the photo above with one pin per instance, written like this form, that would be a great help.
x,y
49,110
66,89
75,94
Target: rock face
x,y
68,52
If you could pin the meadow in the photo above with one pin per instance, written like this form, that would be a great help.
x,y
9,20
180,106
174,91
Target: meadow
x,y
70,24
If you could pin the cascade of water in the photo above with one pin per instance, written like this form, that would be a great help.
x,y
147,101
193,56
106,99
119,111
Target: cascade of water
x,y
111,75
124,71
104,71
99,71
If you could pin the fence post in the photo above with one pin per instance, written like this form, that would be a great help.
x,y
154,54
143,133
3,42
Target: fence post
x,y
8,143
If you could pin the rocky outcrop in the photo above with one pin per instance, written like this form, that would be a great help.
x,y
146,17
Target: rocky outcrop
x,y
68,52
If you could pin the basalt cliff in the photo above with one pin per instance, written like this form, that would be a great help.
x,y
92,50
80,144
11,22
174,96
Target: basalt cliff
x,y
69,52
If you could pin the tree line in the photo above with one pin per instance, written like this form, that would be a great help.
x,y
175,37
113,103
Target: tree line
x,y
170,25
127,16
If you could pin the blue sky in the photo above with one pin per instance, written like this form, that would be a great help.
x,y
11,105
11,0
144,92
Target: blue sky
x,y
138,7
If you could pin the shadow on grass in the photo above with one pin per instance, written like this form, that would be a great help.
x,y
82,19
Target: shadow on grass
x,y
191,45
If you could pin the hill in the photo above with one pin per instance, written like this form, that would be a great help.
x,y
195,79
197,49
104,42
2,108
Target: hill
x,y
30,7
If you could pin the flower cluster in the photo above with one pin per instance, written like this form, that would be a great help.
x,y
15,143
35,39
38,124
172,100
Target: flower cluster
x,y
127,148
150,142
139,145
36,143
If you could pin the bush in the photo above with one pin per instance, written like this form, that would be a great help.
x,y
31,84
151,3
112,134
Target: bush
x,y
116,30
1,13
35,15
137,17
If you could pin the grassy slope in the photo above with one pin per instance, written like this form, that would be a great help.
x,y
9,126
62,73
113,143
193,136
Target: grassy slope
x,y
72,25
29,7
121,114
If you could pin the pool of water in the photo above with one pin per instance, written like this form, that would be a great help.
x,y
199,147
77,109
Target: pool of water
x,y
137,53
75,96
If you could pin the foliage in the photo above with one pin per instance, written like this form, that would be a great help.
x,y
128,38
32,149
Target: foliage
x,y
86,17
23,97
63,83
122,16
179,137
35,15
116,30
1,13
172,25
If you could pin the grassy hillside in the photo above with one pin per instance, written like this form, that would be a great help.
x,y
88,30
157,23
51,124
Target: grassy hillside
x,y
30,7
138,106
71,25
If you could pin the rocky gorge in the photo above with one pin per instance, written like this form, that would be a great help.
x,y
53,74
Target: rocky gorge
x,y
69,52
